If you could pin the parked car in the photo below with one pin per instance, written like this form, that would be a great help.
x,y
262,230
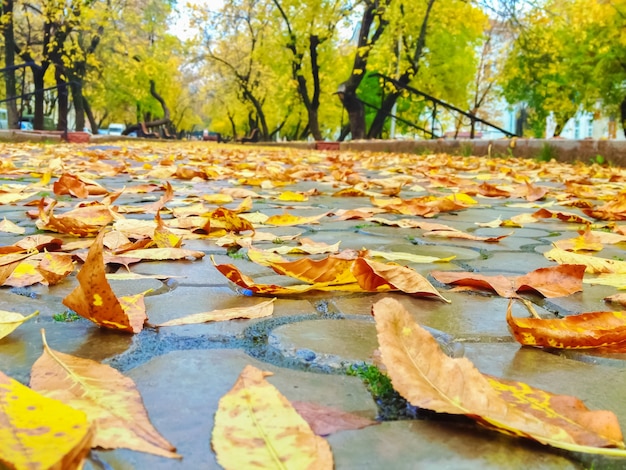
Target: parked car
x,y
26,126
116,128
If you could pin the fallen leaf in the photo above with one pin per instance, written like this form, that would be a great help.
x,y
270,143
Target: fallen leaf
x,y
582,331
555,281
7,226
464,236
164,238
426,377
160,254
325,420
256,426
54,267
70,184
94,299
617,299
109,399
291,196
332,270
287,220
411,257
563,216
374,276
39,432
263,309
593,265
9,321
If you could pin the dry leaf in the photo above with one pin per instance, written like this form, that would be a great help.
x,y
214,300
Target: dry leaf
x,y
557,281
287,220
109,399
593,265
94,299
427,378
375,276
583,331
263,309
617,298
464,236
39,432
256,426
9,227
160,254
410,257
9,321
325,420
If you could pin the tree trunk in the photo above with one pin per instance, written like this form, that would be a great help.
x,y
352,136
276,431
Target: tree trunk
x,y
92,120
346,92
76,88
38,82
9,62
356,113
385,109
623,114
62,101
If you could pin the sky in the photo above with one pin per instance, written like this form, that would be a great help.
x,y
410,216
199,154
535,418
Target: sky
x,y
181,26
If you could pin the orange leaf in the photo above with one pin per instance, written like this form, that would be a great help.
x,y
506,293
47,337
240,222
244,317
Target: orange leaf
x,y
94,299
228,220
375,276
70,184
158,205
54,267
427,378
330,270
583,331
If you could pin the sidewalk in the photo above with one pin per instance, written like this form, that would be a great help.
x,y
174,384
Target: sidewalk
x,y
311,339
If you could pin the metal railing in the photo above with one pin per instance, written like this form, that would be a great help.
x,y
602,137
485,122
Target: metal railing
x,y
437,102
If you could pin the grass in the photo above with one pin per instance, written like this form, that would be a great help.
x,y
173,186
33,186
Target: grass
x,y
66,317
235,253
547,153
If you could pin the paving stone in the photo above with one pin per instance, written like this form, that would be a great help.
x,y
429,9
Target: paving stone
x,y
181,391
410,445
469,317
510,262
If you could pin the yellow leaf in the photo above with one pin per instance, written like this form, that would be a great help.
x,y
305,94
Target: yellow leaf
x,y
218,199
256,426
292,196
614,280
286,220
9,321
109,399
159,254
413,258
593,265
39,432
264,309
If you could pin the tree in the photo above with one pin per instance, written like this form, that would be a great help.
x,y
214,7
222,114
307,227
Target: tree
x,y
9,63
373,25
308,26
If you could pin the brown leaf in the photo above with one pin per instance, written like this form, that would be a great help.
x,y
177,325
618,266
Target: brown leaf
x,y
94,299
375,276
427,378
110,400
325,420
582,331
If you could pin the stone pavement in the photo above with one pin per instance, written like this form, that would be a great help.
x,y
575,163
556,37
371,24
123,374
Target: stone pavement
x,y
311,339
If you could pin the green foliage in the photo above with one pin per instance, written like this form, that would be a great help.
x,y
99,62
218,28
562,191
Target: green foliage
x,y
376,382
547,153
67,316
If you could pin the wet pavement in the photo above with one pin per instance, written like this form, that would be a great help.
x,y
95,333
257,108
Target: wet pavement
x,y
313,338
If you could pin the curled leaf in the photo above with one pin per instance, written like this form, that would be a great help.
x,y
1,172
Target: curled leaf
x,y
263,309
